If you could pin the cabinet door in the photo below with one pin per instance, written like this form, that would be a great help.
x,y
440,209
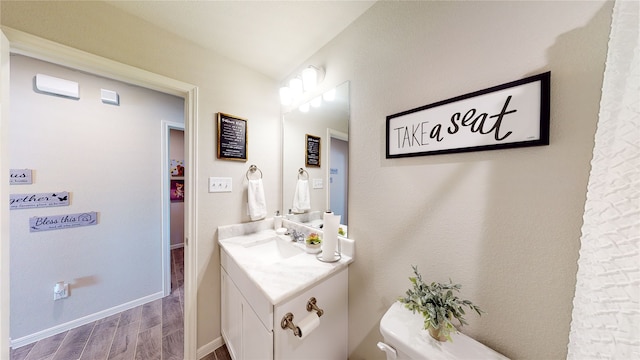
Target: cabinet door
x,y
257,340
231,317
329,340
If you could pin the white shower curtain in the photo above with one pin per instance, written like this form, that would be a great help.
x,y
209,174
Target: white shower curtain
x,y
606,307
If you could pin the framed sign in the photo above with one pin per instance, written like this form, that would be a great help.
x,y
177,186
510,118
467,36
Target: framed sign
x,y
177,191
39,200
232,137
57,222
514,114
20,177
312,151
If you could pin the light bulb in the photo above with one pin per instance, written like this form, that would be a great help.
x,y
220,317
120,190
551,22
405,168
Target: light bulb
x,y
309,78
304,107
316,102
296,87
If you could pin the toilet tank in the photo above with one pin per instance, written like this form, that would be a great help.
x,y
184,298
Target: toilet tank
x,y
405,339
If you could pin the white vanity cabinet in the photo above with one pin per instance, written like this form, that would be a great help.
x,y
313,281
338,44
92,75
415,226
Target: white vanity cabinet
x,y
247,335
251,324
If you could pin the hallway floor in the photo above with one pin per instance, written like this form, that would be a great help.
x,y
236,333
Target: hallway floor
x,y
153,331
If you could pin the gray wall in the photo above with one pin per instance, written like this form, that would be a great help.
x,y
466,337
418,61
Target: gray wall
x,y
108,158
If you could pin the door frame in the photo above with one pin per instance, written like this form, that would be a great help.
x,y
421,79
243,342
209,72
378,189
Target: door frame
x,y
42,49
335,134
167,126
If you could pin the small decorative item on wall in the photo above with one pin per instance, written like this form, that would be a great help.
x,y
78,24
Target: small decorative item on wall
x,y
177,167
57,222
232,137
514,114
312,155
20,177
28,201
177,190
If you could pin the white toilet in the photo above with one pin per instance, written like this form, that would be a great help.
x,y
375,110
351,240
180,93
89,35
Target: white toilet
x,y
405,338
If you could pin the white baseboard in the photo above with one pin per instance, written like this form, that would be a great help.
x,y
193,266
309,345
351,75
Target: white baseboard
x,y
176,246
26,340
207,349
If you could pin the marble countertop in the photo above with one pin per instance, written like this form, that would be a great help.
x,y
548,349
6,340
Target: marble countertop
x,y
282,279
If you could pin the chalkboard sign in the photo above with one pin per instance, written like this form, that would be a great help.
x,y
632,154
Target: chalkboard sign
x,y
313,150
232,137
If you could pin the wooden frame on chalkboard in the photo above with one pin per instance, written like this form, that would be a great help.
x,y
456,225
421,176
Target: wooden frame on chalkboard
x,y
232,137
312,151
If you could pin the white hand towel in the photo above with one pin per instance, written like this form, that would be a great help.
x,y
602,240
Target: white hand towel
x,y
256,201
301,198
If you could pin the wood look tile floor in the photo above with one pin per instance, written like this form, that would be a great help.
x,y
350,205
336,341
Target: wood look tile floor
x,y
153,331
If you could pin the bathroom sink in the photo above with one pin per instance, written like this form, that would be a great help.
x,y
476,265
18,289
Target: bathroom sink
x,y
272,249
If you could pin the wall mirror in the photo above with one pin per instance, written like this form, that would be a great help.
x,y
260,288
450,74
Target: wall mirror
x,y
311,187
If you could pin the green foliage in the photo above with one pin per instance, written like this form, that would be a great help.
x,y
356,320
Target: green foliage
x,y
437,303
313,239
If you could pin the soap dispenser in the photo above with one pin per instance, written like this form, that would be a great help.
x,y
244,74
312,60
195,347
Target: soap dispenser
x,y
277,220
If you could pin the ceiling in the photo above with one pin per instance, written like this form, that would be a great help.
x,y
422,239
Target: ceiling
x,y
272,37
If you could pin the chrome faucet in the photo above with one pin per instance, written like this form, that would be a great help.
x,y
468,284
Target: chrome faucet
x,y
296,236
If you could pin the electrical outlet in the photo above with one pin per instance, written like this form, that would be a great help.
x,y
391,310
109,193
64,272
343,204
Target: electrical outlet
x,y
220,184
60,290
317,183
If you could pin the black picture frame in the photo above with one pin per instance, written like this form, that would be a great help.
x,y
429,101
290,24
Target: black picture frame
x,y
521,107
312,150
232,137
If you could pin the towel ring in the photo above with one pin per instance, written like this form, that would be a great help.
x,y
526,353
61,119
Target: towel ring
x,y
252,170
303,172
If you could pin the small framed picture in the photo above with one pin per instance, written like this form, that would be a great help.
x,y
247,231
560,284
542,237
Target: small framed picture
x,y
312,155
177,190
232,138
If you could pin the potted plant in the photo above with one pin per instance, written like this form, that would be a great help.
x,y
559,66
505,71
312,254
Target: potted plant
x,y
438,304
312,243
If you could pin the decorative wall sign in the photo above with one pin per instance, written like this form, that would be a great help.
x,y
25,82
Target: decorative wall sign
x,y
514,114
57,222
20,177
312,150
177,167
28,201
177,190
232,137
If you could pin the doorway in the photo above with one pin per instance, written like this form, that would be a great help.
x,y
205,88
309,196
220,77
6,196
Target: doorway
x,y
338,174
31,46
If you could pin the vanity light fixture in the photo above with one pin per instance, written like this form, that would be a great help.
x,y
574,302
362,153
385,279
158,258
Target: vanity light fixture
x,y
307,81
304,108
295,85
316,102
309,78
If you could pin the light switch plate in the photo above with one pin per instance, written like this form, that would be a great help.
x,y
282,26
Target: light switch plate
x,y
317,183
220,184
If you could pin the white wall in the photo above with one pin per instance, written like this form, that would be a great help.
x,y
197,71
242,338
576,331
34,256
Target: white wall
x,y
223,86
108,158
505,223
